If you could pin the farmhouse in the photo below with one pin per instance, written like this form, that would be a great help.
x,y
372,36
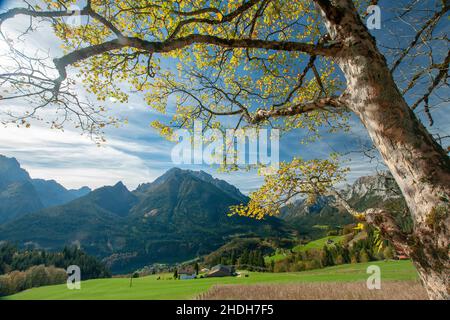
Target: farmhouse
x,y
221,271
187,273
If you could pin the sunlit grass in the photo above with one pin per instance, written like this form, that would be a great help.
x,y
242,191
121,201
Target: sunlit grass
x,y
151,288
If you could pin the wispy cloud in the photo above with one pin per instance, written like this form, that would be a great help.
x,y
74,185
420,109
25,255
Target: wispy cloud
x,y
74,160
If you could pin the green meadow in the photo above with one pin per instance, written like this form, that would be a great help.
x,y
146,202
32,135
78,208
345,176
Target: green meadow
x,y
318,244
149,288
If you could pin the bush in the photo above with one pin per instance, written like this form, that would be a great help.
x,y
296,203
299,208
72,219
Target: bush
x,y
348,229
281,266
339,260
388,253
11,258
363,256
299,266
313,264
35,276
6,287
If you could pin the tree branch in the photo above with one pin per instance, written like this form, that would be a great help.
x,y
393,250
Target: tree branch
x,y
381,219
319,104
86,11
430,23
389,228
332,13
442,75
227,18
11,13
179,43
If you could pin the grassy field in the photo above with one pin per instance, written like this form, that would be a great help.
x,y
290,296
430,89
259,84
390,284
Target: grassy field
x,y
277,256
318,244
151,288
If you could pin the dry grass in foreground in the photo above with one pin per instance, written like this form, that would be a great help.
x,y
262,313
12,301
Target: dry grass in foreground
x,y
392,290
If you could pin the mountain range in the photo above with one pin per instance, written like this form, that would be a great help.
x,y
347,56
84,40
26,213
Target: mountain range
x,y
19,194
315,220
179,216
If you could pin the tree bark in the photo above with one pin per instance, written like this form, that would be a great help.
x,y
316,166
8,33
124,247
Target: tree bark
x,y
418,163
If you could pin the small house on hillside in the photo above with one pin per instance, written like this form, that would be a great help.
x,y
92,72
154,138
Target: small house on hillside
x,y
221,271
187,273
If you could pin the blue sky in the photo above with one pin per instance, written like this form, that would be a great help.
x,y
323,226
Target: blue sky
x,y
135,153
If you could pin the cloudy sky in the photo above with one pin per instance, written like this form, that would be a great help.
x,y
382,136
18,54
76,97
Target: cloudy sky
x,y
135,153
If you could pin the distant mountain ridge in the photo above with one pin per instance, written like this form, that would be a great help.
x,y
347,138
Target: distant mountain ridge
x,y
10,171
20,194
312,220
51,193
374,189
181,215
221,184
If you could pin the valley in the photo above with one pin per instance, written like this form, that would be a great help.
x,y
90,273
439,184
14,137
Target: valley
x,y
182,215
181,220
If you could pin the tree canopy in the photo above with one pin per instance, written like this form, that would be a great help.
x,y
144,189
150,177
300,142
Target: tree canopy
x,y
227,63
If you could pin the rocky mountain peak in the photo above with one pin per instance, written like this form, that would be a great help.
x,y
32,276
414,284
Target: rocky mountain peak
x,y
380,185
10,171
179,174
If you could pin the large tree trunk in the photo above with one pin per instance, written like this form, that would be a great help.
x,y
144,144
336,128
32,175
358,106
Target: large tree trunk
x,y
419,164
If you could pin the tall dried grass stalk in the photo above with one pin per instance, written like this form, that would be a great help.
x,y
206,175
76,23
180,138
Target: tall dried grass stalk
x,y
390,290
